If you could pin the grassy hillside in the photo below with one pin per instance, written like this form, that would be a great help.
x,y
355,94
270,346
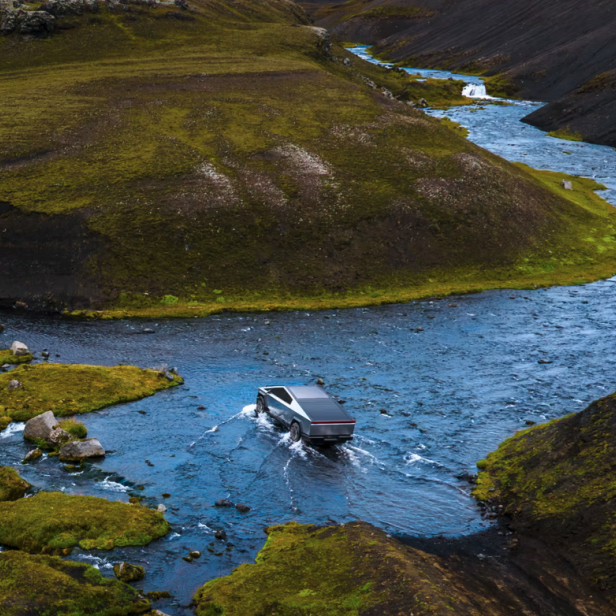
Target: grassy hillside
x,y
556,481
154,158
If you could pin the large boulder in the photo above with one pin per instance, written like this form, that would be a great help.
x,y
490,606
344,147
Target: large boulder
x,y
12,486
19,349
80,450
125,572
39,428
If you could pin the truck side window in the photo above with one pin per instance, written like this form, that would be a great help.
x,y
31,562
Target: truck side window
x,y
282,393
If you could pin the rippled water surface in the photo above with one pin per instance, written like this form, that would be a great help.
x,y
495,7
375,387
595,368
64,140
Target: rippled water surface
x,y
451,394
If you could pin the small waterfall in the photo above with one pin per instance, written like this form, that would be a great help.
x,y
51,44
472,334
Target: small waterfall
x,y
475,90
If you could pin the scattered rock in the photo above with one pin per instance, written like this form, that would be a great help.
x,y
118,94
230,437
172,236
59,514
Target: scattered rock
x,y
347,62
182,4
530,422
452,305
156,595
166,495
419,329
161,508
188,559
148,330
201,408
383,411
45,355
39,428
59,436
125,572
35,454
220,534
422,102
195,554
223,502
79,450
544,361
320,382
158,612
19,349
242,508
14,384
567,185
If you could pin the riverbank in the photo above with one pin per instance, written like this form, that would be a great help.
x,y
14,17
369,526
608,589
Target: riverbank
x,y
587,252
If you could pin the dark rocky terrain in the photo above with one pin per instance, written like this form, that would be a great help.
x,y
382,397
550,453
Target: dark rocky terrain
x,y
548,51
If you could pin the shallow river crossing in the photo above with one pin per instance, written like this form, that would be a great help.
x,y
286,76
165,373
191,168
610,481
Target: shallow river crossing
x,y
428,404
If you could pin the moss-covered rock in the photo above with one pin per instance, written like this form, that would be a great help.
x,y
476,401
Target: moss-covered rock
x,y
357,570
72,389
7,357
50,586
557,481
53,521
127,572
12,486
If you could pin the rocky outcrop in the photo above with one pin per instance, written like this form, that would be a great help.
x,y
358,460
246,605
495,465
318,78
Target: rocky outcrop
x,y
39,584
76,451
12,486
556,481
39,428
359,569
27,22
126,572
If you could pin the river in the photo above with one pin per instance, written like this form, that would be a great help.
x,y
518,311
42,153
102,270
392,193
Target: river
x,y
498,128
428,405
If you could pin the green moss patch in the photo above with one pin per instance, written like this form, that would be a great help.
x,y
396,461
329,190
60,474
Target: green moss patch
x,y
12,486
567,134
557,479
7,357
53,521
49,586
72,389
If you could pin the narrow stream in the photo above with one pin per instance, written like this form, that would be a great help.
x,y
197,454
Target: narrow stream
x,y
428,404
498,128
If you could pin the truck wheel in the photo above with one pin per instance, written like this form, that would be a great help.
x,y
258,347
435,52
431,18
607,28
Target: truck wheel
x,y
260,406
295,432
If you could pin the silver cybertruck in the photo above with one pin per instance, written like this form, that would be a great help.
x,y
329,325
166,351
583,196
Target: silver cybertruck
x,y
309,413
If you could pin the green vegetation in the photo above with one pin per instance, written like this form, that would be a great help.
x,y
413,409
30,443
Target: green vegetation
x,y
53,521
74,428
455,126
501,85
309,570
600,83
557,479
72,389
566,133
7,357
583,251
193,157
12,486
50,586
